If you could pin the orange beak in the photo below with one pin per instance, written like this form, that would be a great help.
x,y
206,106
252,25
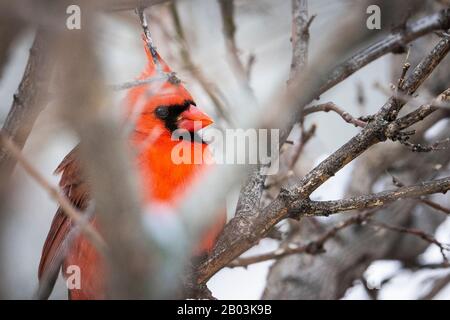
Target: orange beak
x,y
193,119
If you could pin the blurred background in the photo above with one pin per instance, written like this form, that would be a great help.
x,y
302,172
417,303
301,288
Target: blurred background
x,y
263,38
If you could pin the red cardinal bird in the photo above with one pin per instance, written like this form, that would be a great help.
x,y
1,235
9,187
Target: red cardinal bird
x,y
162,108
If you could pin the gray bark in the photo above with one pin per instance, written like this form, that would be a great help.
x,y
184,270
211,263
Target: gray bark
x,y
329,275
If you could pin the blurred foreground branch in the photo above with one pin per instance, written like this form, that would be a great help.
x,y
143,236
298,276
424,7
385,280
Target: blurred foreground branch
x,y
295,198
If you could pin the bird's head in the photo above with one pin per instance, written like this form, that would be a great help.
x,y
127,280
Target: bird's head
x,y
162,102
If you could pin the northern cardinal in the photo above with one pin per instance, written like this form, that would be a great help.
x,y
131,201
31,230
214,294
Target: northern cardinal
x,y
168,108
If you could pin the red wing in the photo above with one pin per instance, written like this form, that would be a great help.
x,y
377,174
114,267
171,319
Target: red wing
x,y
76,190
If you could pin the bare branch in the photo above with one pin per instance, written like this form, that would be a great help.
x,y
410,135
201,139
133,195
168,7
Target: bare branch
x,y
10,30
313,247
430,266
378,199
417,147
105,161
122,5
395,42
136,83
436,206
147,36
330,106
415,232
28,101
296,196
229,30
196,72
301,23
347,256
55,193
304,139
438,285
292,158
277,209
417,115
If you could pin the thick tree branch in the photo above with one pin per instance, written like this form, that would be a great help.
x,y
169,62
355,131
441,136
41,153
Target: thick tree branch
x,y
436,206
301,22
390,43
378,199
313,247
237,240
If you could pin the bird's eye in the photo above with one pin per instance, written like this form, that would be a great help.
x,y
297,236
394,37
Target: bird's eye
x,y
162,112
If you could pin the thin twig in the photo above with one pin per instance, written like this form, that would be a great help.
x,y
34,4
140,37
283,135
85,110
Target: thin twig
x,y
435,206
148,37
301,23
106,163
438,285
171,77
293,157
417,147
418,115
28,102
242,233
